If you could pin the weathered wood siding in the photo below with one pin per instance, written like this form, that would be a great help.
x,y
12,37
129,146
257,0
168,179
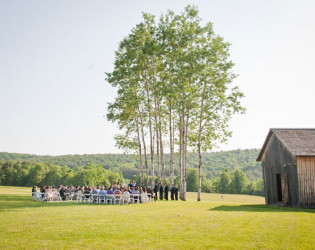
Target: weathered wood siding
x,y
306,181
277,159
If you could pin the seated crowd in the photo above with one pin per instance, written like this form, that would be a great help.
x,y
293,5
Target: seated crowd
x,y
100,194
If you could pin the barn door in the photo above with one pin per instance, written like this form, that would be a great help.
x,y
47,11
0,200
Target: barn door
x,y
285,188
279,187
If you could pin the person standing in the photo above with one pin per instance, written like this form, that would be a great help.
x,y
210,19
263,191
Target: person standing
x,y
155,191
166,191
62,193
161,191
176,192
149,193
172,192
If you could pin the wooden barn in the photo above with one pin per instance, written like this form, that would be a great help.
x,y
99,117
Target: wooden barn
x,y
288,164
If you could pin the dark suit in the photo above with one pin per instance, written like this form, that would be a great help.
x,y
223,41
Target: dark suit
x,y
62,194
172,193
161,192
155,191
176,194
166,192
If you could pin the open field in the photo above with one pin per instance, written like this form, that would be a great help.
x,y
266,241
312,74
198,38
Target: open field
x,y
228,221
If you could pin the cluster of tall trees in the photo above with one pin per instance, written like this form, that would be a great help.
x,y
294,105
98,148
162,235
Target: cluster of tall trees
x,y
173,80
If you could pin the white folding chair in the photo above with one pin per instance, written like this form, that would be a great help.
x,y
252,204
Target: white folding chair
x,y
95,198
79,197
102,199
136,198
42,196
87,198
68,196
132,199
125,198
47,197
109,199
34,196
38,197
143,198
57,196
118,199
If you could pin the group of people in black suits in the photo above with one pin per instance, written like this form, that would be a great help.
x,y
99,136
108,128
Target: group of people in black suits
x,y
163,191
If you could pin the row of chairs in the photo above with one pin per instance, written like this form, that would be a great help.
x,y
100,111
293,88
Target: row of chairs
x,y
112,198
54,196
93,198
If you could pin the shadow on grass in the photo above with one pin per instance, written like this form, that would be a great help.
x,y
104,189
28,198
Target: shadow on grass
x,y
259,208
18,202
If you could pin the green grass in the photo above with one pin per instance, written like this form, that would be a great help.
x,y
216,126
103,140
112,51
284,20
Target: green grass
x,y
220,222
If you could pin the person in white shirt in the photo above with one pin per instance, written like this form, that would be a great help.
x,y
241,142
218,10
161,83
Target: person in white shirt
x,y
126,196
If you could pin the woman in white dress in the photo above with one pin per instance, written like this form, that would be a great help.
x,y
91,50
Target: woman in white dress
x,y
144,195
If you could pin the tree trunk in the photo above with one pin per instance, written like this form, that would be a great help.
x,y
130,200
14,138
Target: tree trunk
x,y
151,136
157,143
171,143
140,151
144,145
180,157
185,153
181,154
199,144
161,146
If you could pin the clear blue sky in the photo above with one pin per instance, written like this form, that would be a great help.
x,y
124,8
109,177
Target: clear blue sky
x,y
53,55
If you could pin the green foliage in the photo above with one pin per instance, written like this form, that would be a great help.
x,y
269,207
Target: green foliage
x,y
53,176
128,164
26,173
245,177
224,182
192,180
206,185
238,182
259,187
37,174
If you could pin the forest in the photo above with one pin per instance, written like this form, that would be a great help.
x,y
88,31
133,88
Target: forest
x,y
223,172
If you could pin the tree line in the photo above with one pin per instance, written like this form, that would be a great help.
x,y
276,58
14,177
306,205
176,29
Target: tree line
x,y
174,94
128,164
235,182
26,173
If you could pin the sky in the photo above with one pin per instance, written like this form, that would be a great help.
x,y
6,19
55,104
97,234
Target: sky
x,y
54,55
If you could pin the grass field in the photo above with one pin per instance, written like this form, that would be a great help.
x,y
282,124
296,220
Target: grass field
x,y
219,222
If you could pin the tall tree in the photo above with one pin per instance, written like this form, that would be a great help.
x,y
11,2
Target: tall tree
x,y
238,181
173,87
224,182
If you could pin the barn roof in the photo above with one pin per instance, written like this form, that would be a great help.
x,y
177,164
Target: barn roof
x,y
300,142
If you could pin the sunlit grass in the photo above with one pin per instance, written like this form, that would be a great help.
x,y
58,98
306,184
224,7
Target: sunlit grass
x,y
227,198
228,221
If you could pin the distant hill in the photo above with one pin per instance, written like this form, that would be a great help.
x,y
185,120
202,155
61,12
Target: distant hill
x,y
128,164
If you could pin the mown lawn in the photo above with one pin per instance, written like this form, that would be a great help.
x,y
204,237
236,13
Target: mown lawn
x,y
220,222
